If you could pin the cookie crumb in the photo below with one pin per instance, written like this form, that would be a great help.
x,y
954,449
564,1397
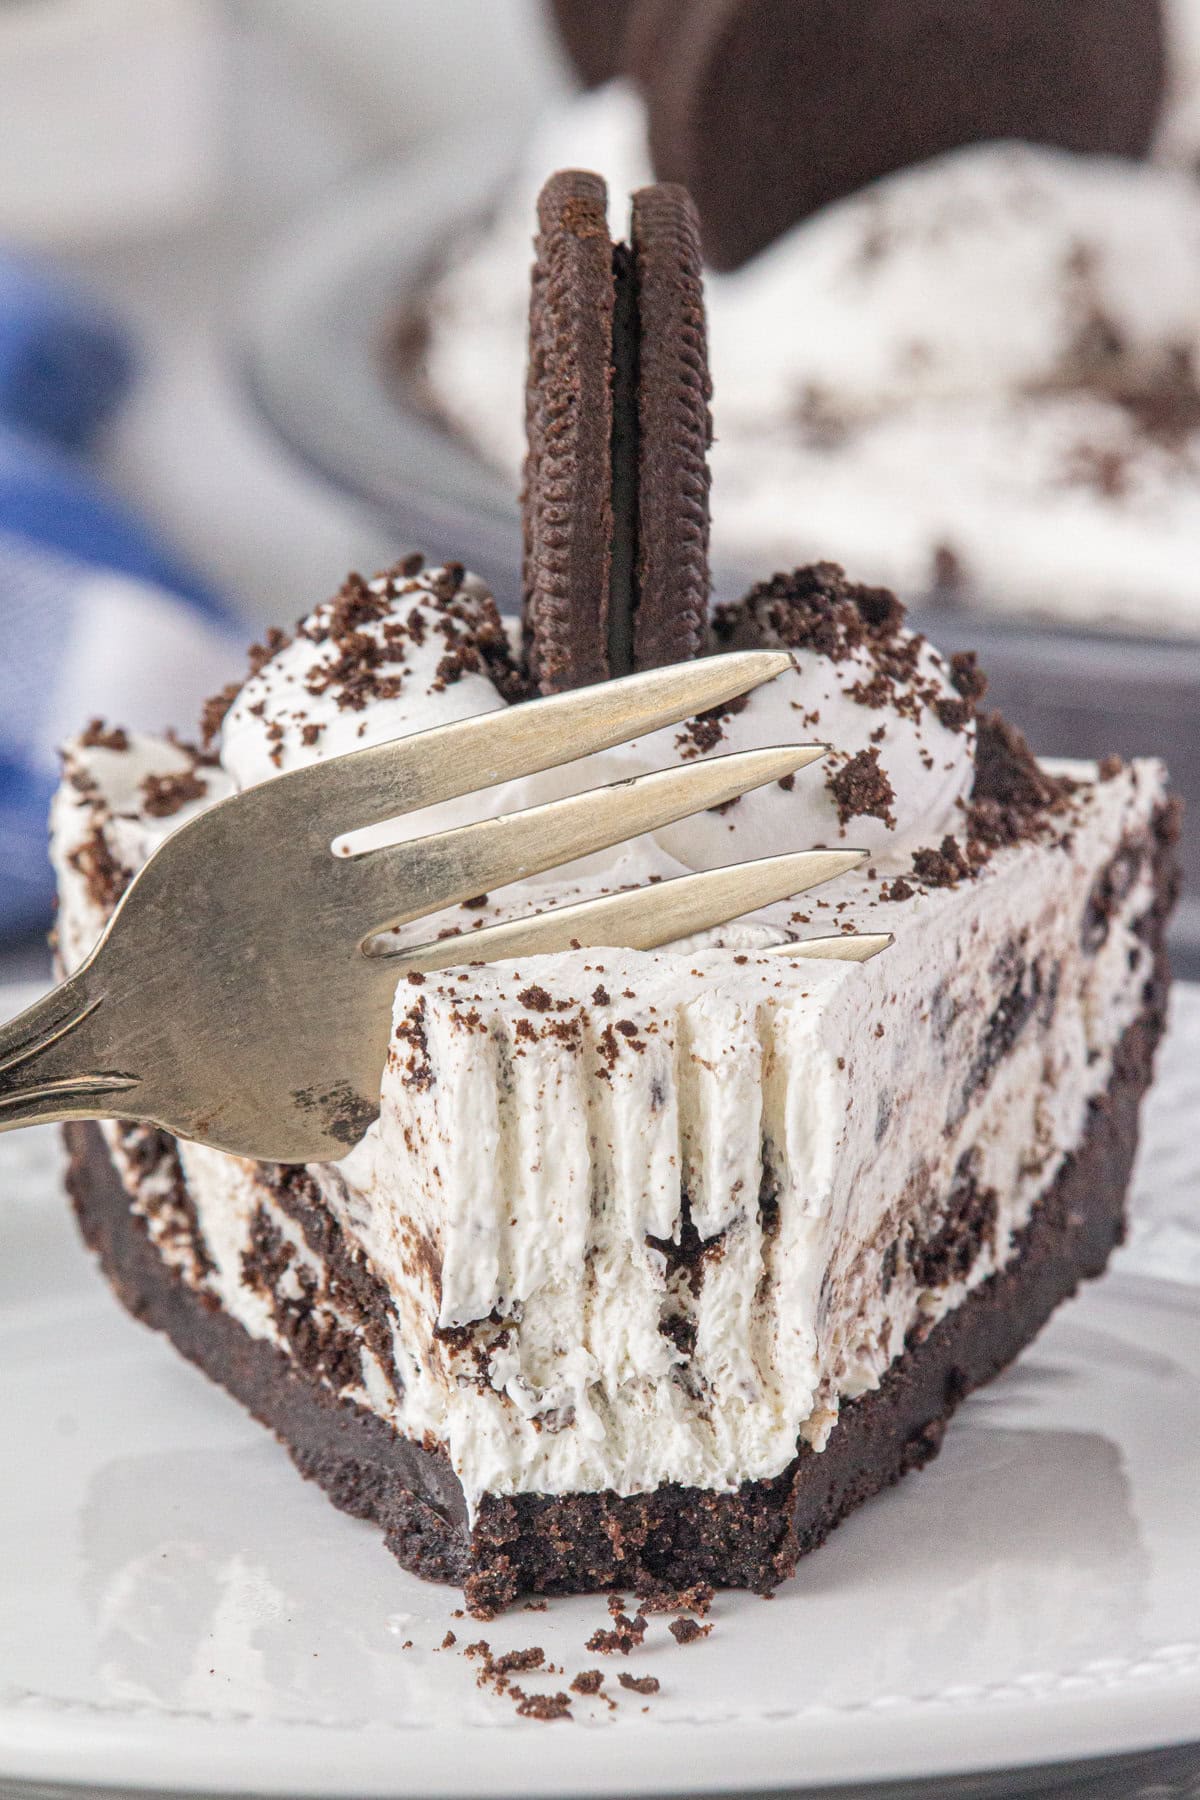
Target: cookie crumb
x,y
98,736
163,795
695,1599
546,1707
686,1631
519,1661
638,1684
627,1634
861,788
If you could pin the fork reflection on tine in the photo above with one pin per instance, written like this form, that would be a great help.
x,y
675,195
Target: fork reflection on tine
x,y
233,997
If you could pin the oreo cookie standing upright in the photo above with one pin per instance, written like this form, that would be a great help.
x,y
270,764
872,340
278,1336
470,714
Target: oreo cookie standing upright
x,y
615,502
670,600
566,502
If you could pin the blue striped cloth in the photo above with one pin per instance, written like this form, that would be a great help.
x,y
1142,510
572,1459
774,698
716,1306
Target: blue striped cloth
x,y
64,364
97,617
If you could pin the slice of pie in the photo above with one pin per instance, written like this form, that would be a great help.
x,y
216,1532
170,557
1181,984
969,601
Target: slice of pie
x,y
656,1264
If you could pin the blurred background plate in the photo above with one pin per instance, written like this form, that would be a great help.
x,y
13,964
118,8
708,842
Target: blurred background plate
x,y
322,357
321,334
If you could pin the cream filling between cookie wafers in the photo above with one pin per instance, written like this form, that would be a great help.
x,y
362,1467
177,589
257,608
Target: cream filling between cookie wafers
x,y
646,1217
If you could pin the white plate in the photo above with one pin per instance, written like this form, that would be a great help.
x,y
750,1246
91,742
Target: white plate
x,y
178,1609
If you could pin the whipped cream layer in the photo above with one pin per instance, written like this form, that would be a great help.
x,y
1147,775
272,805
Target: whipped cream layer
x,y
635,1217
983,372
411,650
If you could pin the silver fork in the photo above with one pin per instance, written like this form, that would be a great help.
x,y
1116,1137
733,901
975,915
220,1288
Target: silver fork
x,y
238,994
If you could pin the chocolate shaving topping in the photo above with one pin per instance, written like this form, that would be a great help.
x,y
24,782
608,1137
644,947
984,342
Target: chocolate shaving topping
x,y
817,610
98,736
545,1707
274,641
944,867
368,630
967,677
1013,801
212,714
163,795
897,890
353,606
707,729
104,877
518,1661
861,788
1007,772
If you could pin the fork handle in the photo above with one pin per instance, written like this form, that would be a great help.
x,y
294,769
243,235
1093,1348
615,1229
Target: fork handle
x,y
53,1058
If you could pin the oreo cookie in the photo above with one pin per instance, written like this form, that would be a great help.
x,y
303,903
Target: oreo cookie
x,y
615,502
592,33
769,109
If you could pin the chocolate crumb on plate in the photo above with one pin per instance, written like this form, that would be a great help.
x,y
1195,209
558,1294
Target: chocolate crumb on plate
x,y
639,1684
686,1631
626,1635
546,1707
519,1661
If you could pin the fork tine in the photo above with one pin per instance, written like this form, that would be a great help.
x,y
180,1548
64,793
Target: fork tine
x,y
449,866
642,919
384,781
842,946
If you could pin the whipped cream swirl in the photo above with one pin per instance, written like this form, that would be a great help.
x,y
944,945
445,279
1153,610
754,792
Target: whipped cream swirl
x,y
412,650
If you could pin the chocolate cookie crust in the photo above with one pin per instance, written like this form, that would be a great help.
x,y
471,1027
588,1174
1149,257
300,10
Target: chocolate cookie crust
x,y
675,1536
